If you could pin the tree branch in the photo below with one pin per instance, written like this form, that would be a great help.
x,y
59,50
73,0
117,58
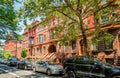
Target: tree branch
x,y
67,16
78,5
69,5
104,6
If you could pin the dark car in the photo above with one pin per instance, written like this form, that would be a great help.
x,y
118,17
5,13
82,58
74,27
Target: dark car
x,y
24,64
85,67
12,61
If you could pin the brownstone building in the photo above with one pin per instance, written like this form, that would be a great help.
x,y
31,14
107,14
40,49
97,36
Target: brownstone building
x,y
14,47
41,43
46,46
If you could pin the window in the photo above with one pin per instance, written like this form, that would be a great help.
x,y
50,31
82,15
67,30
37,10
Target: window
x,y
42,38
31,40
52,34
74,46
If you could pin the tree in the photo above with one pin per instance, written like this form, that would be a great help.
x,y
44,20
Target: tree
x,y
8,19
7,55
73,14
24,53
1,53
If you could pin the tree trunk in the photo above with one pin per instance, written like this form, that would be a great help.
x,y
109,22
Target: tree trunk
x,y
84,36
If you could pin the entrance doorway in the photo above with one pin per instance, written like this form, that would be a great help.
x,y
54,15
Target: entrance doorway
x,y
52,48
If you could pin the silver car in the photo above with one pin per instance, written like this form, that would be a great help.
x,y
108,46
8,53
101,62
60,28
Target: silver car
x,y
48,67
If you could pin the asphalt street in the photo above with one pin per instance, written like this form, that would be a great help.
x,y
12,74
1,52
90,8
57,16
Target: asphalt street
x,y
13,72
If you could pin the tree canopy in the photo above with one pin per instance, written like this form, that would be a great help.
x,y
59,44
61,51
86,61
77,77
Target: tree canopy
x,y
8,19
73,14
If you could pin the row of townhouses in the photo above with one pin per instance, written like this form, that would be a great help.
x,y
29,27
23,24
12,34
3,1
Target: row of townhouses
x,y
41,43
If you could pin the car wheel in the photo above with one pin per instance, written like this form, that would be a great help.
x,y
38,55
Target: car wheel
x,y
71,74
25,67
49,72
116,76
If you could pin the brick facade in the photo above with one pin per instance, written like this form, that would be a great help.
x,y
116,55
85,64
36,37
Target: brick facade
x,y
14,47
43,43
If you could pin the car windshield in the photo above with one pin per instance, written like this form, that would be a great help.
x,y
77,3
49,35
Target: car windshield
x,y
13,59
27,62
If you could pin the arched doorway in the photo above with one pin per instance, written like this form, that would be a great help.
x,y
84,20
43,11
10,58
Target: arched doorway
x,y
52,48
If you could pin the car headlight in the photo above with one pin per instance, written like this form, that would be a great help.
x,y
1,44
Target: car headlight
x,y
29,65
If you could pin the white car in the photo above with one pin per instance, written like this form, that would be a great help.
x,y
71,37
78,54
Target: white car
x,y
48,67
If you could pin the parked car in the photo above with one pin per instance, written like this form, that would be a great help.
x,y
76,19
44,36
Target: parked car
x,y
5,62
48,67
1,61
12,61
85,67
24,64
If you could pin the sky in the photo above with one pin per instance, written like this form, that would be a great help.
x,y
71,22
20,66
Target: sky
x,y
17,7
